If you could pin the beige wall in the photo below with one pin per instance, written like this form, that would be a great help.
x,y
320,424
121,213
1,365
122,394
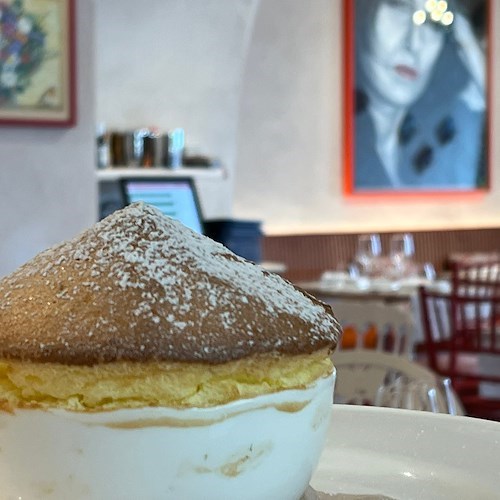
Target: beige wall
x,y
175,63
258,83
47,179
289,166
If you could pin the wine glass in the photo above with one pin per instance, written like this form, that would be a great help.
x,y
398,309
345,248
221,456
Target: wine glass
x,y
401,252
429,271
398,391
369,249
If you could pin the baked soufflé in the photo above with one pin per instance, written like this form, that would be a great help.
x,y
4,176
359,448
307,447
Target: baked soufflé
x,y
140,311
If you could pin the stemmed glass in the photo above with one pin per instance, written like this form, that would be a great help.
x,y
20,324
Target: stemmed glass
x,y
398,391
429,271
401,253
369,249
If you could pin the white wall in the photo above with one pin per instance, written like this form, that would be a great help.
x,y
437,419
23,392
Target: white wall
x,y
180,63
290,122
47,180
176,63
289,165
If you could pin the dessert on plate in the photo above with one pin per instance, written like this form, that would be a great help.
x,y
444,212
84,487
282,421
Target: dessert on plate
x,y
143,360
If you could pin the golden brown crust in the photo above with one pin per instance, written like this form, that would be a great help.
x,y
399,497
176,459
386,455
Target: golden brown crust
x,y
141,287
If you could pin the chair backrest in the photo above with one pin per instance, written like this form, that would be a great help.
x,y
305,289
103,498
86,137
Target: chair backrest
x,y
462,342
368,377
476,277
468,323
375,324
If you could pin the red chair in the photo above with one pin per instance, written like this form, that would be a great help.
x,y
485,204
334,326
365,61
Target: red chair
x,y
462,342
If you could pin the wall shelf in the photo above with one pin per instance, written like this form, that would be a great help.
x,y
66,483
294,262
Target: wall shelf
x,y
116,173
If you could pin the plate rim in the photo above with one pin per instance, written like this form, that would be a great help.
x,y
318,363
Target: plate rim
x,y
354,463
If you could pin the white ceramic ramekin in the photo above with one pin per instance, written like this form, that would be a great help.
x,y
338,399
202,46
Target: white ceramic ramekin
x,y
264,448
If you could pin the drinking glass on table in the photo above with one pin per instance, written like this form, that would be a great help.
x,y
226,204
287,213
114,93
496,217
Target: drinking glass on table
x,y
429,271
398,391
401,253
368,251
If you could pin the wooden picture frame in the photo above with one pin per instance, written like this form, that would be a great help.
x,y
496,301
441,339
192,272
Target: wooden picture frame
x,y
37,63
416,97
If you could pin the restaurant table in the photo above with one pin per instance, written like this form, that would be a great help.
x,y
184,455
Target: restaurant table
x,y
387,306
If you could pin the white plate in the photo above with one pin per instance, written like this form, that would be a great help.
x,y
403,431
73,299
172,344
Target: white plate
x,y
409,454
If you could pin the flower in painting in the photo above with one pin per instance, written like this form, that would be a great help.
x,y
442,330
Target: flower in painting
x,y
22,49
8,79
24,25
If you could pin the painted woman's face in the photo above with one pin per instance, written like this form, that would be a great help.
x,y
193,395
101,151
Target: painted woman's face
x,y
400,55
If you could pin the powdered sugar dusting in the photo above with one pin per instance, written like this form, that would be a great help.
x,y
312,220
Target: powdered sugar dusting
x,y
178,295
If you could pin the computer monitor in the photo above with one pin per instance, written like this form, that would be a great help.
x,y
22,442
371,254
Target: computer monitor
x,y
175,197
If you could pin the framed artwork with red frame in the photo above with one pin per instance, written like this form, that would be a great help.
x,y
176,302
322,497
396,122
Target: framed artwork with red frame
x,y
37,63
416,94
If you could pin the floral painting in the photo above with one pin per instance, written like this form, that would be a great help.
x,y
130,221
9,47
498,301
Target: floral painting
x,y
36,62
